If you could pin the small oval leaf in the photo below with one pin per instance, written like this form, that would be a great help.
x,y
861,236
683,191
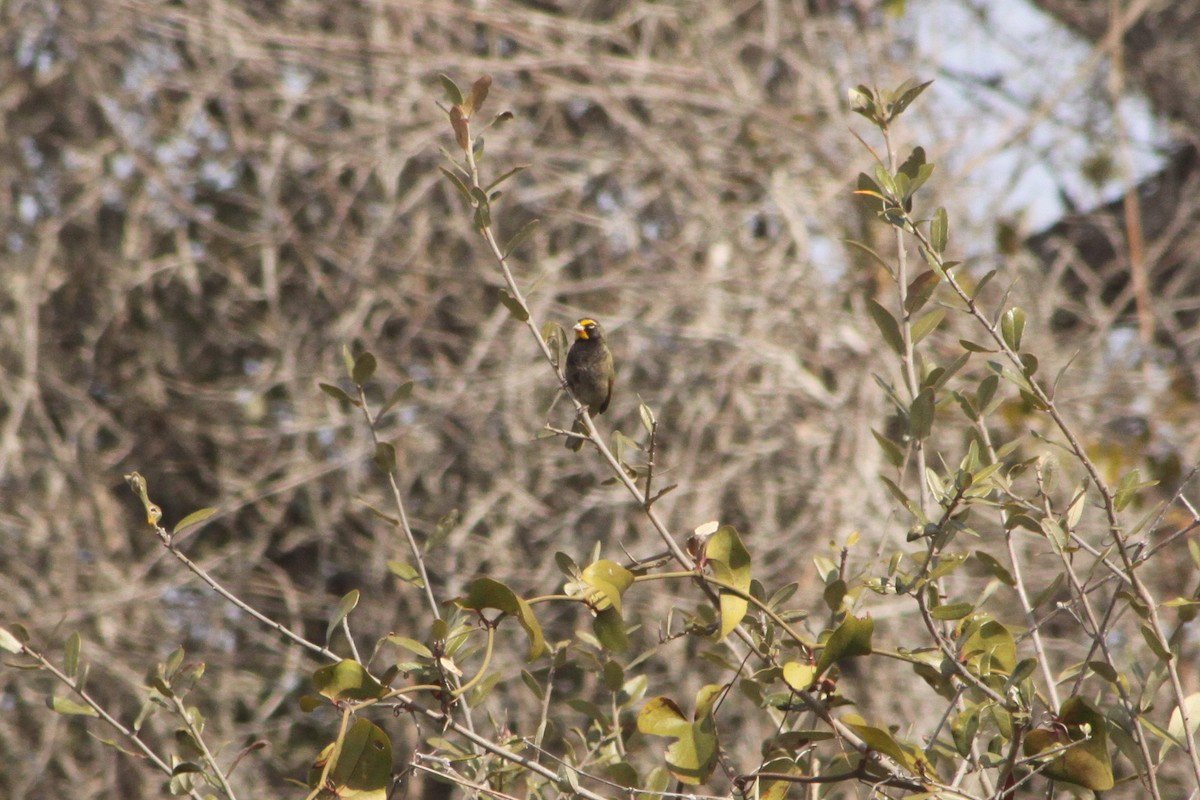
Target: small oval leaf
x,y
1012,327
453,93
346,680
521,236
887,325
364,368
385,456
194,518
70,708
344,607
514,306
337,393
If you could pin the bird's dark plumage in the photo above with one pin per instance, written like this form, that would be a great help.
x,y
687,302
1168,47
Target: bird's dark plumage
x,y
589,371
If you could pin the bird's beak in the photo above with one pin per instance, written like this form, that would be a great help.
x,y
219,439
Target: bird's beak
x,y
580,331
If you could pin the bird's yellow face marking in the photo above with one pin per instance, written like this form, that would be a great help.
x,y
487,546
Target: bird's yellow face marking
x,y
584,328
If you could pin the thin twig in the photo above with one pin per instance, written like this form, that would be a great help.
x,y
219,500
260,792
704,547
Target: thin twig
x,y
198,737
112,722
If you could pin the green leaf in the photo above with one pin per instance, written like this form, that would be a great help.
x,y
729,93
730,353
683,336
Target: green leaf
x,y
1153,642
906,93
521,236
1129,487
1050,591
920,415
860,246
385,456
1020,672
990,647
442,529
693,756
939,231
453,94
612,676
364,369
964,730
972,347
834,594
622,447
1012,327
1175,727
886,182
967,405
514,171
880,740
1104,670
186,745
995,568
662,717
799,676
71,655
986,393
938,377
566,565
405,572
402,393
1086,762
194,518
458,184
187,679
532,684
862,101
363,769
347,680
339,394
893,452
69,707
951,611
344,607
623,774
514,306
608,581
1016,379
556,339
984,281
411,645
647,415
927,324
852,638
730,562
920,290
913,165
887,325
485,593
609,628
483,210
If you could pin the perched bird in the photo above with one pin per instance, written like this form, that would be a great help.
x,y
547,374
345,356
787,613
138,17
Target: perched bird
x,y
589,373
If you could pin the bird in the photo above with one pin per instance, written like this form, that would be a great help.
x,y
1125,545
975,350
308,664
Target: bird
x,y
589,373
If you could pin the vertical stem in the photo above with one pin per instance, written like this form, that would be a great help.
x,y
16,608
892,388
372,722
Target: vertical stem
x,y
405,528
411,538
909,356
